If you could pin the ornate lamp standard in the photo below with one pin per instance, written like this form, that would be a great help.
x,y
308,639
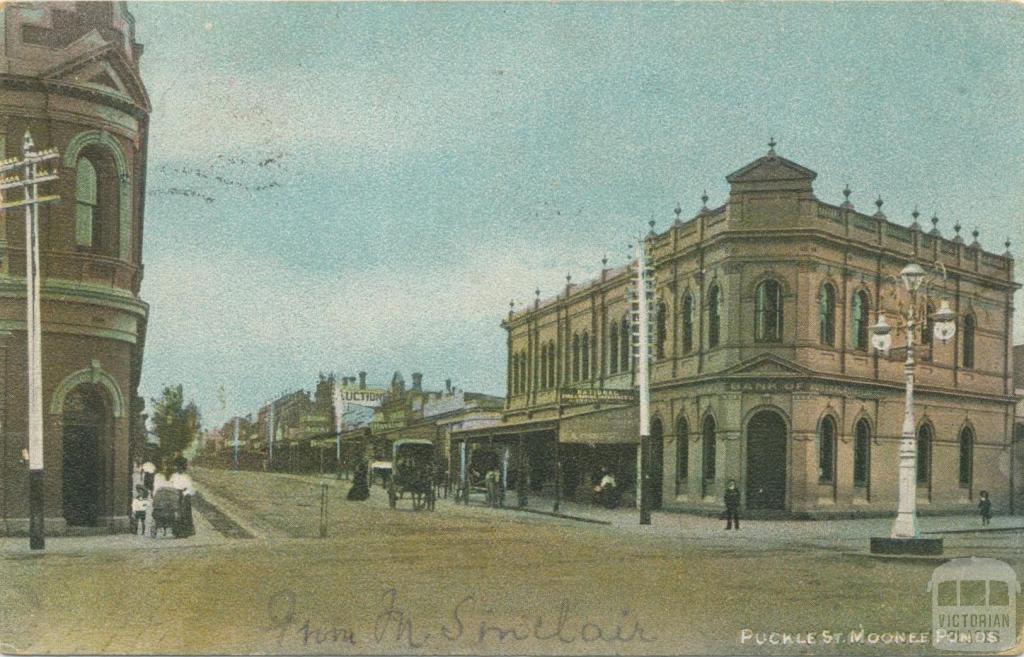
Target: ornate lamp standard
x,y
904,536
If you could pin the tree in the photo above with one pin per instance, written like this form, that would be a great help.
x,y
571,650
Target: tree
x,y
176,423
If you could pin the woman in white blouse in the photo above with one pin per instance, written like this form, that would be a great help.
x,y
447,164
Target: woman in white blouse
x,y
174,476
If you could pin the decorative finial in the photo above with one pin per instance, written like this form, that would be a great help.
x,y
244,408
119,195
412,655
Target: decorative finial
x,y
604,262
511,304
704,199
915,214
1007,243
957,227
771,145
27,143
536,293
678,210
878,203
568,279
846,197
651,224
974,234
935,221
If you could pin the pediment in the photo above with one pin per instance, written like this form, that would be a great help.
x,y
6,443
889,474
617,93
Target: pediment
x,y
766,364
103,69
771,168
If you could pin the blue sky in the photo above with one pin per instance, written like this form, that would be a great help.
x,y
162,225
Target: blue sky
x,y
393,174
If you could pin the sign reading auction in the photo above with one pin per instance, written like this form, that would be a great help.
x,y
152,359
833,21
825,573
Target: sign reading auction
x,y
597,396
360,397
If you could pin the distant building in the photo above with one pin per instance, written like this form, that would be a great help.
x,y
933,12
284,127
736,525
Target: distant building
x,y
763,370
69,73
1018,428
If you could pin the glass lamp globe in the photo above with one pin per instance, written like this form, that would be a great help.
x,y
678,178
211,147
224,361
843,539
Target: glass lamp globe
x,y
881,335
912,276
944,322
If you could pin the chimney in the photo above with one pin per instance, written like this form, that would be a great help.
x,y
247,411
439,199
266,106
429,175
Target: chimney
x,y
448,386
362,380
417,381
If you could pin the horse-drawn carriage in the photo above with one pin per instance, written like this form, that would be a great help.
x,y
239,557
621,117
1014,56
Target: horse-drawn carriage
x,y
412,472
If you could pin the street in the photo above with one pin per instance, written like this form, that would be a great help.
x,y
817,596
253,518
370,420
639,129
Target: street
x,y
467,580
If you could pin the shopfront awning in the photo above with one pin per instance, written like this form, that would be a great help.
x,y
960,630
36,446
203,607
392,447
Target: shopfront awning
x,y
608,426
509,430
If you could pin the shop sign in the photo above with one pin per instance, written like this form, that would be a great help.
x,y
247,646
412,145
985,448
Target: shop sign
x,y
597,396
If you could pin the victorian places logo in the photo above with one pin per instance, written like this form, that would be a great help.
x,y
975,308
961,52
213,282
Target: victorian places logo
x,y
974,605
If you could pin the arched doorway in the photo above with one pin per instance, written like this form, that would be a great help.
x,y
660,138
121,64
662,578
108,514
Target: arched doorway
x,y
85,425
766,461
657,463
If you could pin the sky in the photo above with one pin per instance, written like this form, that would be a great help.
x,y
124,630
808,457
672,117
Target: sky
x,y
346,187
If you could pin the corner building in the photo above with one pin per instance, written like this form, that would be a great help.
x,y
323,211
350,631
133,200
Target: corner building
x,y
70,76
763,370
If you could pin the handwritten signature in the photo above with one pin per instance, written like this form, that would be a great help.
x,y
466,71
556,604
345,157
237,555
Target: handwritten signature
x,y
469,620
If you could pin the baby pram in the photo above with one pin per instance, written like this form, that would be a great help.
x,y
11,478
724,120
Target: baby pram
x,y
166,510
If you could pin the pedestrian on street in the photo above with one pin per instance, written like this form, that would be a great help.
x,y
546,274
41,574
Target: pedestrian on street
x,y
180,480
985,507
140,508
732,505
491,481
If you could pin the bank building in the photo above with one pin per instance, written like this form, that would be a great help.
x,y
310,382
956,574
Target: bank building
x,y
70,77
763,369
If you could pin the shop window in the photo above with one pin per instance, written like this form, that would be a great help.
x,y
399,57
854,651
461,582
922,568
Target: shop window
x,y
625,346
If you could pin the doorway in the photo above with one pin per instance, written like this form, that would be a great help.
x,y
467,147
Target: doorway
x,y
766,461
84,424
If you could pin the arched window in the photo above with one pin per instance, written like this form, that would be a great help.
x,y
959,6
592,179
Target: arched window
x,y
827,451
859,317
861,454
585,356
661,329
708,456
625,347
927,332
966,457
87,214
827,315
543,366
968,341
714,319
552,361
576,357
682,453
613,347
768,311
687,324
924,455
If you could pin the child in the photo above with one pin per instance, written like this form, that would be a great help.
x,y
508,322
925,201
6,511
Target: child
x,y
140,508
985,506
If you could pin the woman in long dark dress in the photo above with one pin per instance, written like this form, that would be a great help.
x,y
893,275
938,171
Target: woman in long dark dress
x,y
184,527
360,489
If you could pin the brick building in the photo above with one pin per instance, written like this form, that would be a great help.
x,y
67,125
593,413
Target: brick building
x,y
70,75
763,370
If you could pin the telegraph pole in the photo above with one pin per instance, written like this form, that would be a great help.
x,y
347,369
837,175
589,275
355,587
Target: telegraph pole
x,y
236,442
31,200
642,297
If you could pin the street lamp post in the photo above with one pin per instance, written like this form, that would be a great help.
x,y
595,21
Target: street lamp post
x,y
29,184
904,529
643,294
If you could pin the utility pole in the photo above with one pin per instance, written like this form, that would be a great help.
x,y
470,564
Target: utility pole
x,y
270,434
643,292
31,200
236,442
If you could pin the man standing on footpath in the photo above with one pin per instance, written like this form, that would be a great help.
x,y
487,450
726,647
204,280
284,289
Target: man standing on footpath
x,y
732,505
